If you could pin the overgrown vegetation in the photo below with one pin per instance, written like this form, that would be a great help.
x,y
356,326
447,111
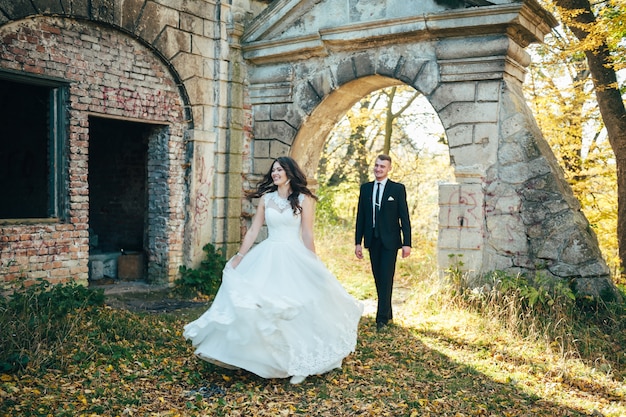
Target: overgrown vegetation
x,y
204,280
500,351
36,321
539,308
516,348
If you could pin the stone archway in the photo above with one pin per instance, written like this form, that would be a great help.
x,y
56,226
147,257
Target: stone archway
x,y
510,208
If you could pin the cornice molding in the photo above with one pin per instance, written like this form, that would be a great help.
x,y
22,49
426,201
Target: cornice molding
x,y
524,22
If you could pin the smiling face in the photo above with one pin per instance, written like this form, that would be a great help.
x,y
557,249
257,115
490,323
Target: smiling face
x,y
381,169
279,175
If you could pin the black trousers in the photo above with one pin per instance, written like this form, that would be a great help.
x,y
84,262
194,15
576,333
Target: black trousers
x,y
383,263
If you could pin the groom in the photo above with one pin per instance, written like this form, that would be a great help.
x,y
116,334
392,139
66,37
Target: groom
x,y
382,221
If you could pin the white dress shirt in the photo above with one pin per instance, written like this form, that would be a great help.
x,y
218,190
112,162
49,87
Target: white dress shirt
x,y
382,191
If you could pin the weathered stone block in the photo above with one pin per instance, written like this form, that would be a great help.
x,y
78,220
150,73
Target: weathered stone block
x,y
262,149
579,249
275,130
511,153
507,234
408,70
595,287
462,216
103,10
507,204
448,194
192,24
471,195
48,6
322,84
488,91
286,113
262,112
498,262
269,93
308,98
471,238
263,165
196,86
345,72
387,63
363,64
154,18
595,269
522,172
483,156
130,13
548,248
451,93
428,78
485,133
533,212
279,149
173,41
460,135
473,47
449,238
512,123
190,65
468,112
203,46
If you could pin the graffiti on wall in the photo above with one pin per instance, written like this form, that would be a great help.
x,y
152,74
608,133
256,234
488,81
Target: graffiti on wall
x,y
201,206
140,104
463,210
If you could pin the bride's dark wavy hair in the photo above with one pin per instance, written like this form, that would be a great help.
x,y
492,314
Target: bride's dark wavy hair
x,y
297,182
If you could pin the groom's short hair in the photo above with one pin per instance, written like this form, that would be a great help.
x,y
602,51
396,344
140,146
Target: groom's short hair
x,y
384,157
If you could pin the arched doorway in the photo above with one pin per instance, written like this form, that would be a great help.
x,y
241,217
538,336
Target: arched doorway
x,y
510,208
112,139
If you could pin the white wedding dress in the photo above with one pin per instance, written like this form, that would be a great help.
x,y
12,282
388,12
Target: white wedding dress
x,y
281,312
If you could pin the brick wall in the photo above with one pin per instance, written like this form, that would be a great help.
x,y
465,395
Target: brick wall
x,y
110,75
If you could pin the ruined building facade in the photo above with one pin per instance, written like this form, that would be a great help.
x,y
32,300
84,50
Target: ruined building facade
x,y
131,127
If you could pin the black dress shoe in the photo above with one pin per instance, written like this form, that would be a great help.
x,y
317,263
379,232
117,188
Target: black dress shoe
x,y
380,326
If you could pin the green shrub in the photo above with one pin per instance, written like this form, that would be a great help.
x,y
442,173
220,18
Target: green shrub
x,y
36,319
206,279
324,210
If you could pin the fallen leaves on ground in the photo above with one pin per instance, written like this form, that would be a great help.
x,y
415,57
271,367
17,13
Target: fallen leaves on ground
x,y
128,364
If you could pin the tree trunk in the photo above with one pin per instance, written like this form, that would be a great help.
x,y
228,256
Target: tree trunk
x,y
610,104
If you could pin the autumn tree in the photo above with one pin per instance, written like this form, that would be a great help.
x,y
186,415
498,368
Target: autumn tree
x,y
561,94
599,29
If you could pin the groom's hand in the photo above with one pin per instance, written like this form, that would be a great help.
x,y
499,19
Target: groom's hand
x,y
358,251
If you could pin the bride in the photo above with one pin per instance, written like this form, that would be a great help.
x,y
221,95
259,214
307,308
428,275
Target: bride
x,y
279,312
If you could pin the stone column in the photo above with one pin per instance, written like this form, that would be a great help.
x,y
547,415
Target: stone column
x,y
229,208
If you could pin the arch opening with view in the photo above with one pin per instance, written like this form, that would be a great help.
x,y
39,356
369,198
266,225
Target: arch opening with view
x,y
510,208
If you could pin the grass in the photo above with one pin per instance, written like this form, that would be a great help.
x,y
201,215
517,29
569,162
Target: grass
x,y
443,357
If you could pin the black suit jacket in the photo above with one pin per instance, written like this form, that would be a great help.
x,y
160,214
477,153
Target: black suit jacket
x,y
394,223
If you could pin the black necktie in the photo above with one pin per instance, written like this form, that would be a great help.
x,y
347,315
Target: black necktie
x,y
376,210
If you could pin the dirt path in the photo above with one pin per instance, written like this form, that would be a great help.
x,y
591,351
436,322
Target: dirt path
x,y
139,296
143,297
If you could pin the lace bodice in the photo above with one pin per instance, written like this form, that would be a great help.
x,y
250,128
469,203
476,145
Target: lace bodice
x,y
282,223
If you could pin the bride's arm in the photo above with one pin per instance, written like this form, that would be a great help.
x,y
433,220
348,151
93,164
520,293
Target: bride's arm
x,y
257,222
308,217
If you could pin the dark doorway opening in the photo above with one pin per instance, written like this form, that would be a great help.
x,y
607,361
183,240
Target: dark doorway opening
x,y
118,160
